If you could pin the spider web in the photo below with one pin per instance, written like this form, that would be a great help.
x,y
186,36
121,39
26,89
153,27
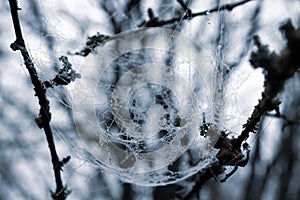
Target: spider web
x,y
146,123
217,100
126,129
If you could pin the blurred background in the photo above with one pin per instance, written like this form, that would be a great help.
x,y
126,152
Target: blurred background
x,y
55,28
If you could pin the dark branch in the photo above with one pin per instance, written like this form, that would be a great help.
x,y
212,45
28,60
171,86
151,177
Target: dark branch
x,y
278,69
185,7
43,120
190,15
99,39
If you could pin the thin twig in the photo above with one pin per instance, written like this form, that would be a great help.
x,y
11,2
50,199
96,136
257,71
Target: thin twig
x,y
189,15
44,113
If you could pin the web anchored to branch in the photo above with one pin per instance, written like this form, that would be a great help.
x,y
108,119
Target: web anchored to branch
x,y
43,121
155,106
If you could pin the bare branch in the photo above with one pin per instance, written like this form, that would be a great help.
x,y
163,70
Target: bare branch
x,y
190,15
278,69
99,39
43,120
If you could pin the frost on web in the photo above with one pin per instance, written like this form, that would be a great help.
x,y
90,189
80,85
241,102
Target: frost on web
x,y
140,106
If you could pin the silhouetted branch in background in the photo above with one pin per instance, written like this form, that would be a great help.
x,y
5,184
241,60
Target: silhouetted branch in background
x,y
43,121
99,39
204,177
286,120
